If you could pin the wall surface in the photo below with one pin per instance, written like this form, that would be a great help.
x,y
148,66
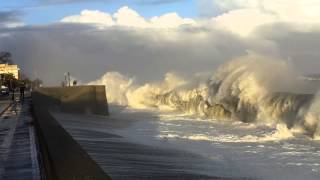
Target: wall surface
x,y
61,156
76,99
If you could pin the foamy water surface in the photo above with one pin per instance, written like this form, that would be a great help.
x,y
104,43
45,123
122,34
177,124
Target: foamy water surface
x,y
266,151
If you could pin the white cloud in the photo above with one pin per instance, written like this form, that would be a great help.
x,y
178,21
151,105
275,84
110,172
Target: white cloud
x,y
243,21
244,16
170,20
240,17
128,17
88,16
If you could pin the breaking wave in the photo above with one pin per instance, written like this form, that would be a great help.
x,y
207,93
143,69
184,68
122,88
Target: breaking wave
x,y
248,89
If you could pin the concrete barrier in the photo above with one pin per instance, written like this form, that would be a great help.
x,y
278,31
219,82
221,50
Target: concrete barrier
x,y
62,157
77,99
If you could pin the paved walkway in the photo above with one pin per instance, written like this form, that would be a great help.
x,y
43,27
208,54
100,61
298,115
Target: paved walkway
x,y
4,104
18,150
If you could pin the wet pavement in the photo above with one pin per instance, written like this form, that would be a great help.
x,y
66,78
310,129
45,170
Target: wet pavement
x,y
18,150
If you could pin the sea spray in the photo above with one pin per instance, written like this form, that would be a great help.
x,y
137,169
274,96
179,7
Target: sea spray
x,y
247,89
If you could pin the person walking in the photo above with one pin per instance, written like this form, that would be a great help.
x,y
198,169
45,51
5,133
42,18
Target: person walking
x,y
12,88
22,88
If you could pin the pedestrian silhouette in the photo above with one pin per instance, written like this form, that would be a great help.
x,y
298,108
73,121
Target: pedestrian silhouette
x,y
22,88
12,88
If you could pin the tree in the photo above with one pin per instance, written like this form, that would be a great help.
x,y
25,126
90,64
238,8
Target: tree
x,y
5,57
8,79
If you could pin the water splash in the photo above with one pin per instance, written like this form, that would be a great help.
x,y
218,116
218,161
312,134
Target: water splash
x,y
248,89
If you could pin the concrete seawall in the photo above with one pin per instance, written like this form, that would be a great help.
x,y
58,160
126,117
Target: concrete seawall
x,y
77,99
62,157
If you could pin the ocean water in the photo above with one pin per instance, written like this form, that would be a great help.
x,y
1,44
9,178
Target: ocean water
x,y
252,117
255,151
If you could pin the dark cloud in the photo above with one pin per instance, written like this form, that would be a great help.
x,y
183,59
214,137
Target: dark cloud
x,y
9,17
87,53
299,47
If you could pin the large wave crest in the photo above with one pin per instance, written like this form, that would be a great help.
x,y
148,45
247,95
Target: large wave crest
x,y
247,89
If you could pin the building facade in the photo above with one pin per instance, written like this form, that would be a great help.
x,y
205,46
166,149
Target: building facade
x,y
10,69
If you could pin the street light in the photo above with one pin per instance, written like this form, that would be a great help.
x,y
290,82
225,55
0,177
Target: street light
x,y
67,78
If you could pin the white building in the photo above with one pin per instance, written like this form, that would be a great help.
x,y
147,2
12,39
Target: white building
x,y
10,69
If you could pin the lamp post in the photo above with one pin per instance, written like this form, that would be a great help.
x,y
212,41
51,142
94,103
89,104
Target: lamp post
x,y
67,79
69,83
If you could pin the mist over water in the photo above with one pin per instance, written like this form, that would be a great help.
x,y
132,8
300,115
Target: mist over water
x,y
253,117
251,89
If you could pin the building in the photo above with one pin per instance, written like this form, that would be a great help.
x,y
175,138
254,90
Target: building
x,y
10,69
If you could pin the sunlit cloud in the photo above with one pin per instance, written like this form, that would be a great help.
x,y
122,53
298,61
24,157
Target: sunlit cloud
x,y
148,48
128,17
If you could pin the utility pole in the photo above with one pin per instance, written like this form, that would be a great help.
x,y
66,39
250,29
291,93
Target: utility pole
x,y
69,83
65,79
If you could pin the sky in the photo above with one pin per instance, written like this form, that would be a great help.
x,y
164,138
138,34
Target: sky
x,y
146,39
48,11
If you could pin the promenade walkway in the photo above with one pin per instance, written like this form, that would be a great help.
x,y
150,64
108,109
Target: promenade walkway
x,y
18,150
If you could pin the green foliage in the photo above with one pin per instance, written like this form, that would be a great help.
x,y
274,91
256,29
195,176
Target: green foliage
x,y
5,57
9,80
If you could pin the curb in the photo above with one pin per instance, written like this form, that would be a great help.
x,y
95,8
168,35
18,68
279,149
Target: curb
x,y
6,108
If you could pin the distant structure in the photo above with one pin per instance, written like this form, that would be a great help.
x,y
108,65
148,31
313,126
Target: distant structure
x,y
67,79
10,69
310,77
7,66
